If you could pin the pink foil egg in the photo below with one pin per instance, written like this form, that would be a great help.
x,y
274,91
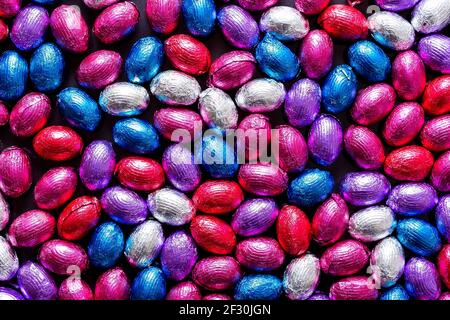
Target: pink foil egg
x,y
316,54
4,114
4,212
410,163
217,296
112,285
31,229
55,188
116,22
403,124
257,5
364,147
443,264
99,69
217,273
4,31
408,75
63,257
184,291
99,4
9,8
440,175
57,143
311,7
373,103
167,120
436,97
74,289
262,179
69,28
260,254
435,135
344,258
15,172
259,126
163,15
354,288
293,151
29,27
30,114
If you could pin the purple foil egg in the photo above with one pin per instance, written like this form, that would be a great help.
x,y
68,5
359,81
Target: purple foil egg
x,y
99,4
408,75
184,291
167,120
123,205
316,54
116,22
354,288
163,15
10,8
364,188
403,123
373,103
15,172
217,273
440,174
254,217
412,199
364,147
302,102
344,258
443,217
422,279
396,5
178,255
434,51
74,289
293,151
4,212
231,70
112,285
55,187
9,262
257,5
260,254
97,165
99,69
63,257
69,28
254,125
262,179
319,296
31,229
29,27
238,27
36,283
435,135
301,277
325,139
7,294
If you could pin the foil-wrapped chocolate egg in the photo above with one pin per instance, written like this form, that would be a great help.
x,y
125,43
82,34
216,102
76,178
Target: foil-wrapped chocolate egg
x,y
29,27
431,16
422,279
311,7
412,199
217,297
98,69
199,16
387,261
7,294
124,99
136,136
302,102
258,287
124,206
343,22
403,123
260,95
4,114
144,60
293,150
58,143
62,257
5,212
212,234
9,262
316,54
440,174
344,258
443,264
149,284
238,27
74,289
408,75
339,89
433,50
419,236
364,147
47,67
301,277
36,283
218,196
364,188
112,285
435,135
293,230
395,293
163,16
369,61
284,23
258,5
99,4
184,291
168,120
13,75
443,217
254,216
106,245
410,163
254,138
262,179
217,273
435,99
10,8
310,188
15,172
175,88
354,288
217,109
396,5
139,173
260,254
372,223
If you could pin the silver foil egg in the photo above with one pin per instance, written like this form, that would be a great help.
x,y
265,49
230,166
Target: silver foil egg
x,y
175,88
301,277
387,261
9,263
284,23
260,95
124,99
431,16
218,109
372,223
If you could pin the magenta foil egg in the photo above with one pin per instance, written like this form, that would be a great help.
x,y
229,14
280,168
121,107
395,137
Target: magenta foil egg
x,y
254,125
217,273
4,212
364,147
262,179
311,7
69,28
293,151
74,289
434,52
15,172
99,4
354,288
116,22
31,229
257,5
403,124
112,285
408,75
4,114
260,254
344,258
163,15
325,139
422,279
29,27
302,102
99,69
63,257
435,135
217,296
10,8
364,188
184,291
440,174
36,283
316,54
167,120
373,103
443,217
55,188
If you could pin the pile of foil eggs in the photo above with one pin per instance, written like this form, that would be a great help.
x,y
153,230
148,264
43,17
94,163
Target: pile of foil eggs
x,y
140,214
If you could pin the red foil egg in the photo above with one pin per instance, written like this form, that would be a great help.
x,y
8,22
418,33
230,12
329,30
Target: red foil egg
x,y
213,234
140,173
188,54
435,135
408,75
260,254
436,97
15,172
167,120
163,15
316,54
443,263
354,288
55,187
218,196
112,285
217,273
31,229
344,258
4,31
364,147
440,175
293,230
79,217
74,289
63,257
262,179
293,151
57,143
344,22
410,163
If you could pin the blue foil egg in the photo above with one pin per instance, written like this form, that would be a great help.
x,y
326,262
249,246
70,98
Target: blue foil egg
x,y
45,2
258,287
136,136
149,284
79,109
419,236
395,293
144,60
106,245
199,16
339,89
13,75
310,188
276,60
369,61
47,68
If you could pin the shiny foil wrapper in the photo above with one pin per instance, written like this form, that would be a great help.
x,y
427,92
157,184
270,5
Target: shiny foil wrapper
x,y
443,264
434,52
29,27
440,174
184,291
9,262
258,5
395,293
339,89
364,188
217,273
435,135
106,245
364,147
212,234
301,277
369,61
410,163
254,216
316,54
436,99
144,60
199,16
149,284
13,75
218,109
263,129
167,120
139,173
136,136
293,230
112,285
5,212
293,150
396,5
260,254
412,199
55,187
144,244
4,114
63,257
99,4
124,99
10,8
7,294
74,289
403,123
171,207
163,15
422,279
47,67
58,143
387,261
15,172
30,114
258,287
353,288
302,102
217,297
262,179
372,223
310,188
344,258
36,283
123,205
419,236
238,27
431,16
175,88
408,75
99,69
311,7
443,217
284,23
218,196
343,22
260,95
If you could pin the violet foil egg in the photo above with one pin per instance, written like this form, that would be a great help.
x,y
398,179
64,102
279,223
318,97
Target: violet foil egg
x,y
123,205
422,279
13,75
47,67
124,99
9,262
4,212
29,27
364,147
112,285
440,174
144,244
163,15
10,8
99,69
419,236
325,140
74,289
443,217
63,257
144,60
238,27
316,54
302,102
15,172
231,70
175,88
99,4
184,291
217,109
260,254
178,255
36,283
116,22
433,50
408,75
311,7
344,258
284,23
260,95
257,5
293,151
387,261
301,277
354,288
217,273
372,223
364,188
262,179
396,5
97,165
412,199
435,135
168,120
431,16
